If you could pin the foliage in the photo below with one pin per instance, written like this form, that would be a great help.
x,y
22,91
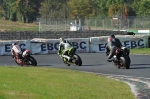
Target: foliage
x,y
121,10
28,11
51,9
83,8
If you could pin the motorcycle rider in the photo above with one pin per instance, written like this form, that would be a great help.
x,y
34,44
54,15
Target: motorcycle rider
x,y
64,45
16,52
112,45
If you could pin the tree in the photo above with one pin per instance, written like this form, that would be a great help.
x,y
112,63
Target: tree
x,y
82,8
143,8
53,9
29,9
118,10
7,8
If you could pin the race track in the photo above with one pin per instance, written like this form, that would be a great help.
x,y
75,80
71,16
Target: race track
x,y
92,62
138,74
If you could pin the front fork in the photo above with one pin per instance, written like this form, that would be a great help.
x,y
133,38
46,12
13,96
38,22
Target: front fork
x,y
116,60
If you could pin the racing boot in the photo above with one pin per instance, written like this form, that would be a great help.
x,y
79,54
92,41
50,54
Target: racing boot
x,y
69,59
109,60
65,56
20,62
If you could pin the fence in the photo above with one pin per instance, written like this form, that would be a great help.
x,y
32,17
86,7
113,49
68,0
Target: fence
x,y
129,23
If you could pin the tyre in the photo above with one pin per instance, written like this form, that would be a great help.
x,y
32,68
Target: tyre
x,y
31,61
129,60
78,60
124,62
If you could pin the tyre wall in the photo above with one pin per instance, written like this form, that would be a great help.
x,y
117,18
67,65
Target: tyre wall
x,y
28,35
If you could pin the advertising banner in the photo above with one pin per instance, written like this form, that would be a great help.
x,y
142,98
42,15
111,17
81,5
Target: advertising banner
x,y
5,46
98,44
50,46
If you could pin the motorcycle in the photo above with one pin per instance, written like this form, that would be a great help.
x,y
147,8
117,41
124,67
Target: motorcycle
x,y
121,58
26,58
75,59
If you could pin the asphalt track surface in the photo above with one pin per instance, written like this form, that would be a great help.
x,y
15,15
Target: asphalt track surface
x,y
138,74
92,62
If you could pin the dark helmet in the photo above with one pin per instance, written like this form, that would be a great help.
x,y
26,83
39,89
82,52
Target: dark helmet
x,y
14,44
112,36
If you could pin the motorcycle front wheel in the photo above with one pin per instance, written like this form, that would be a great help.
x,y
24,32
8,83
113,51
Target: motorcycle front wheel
x,y
30,61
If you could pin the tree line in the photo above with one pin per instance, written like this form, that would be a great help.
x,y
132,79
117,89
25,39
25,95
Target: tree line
x,y
28,11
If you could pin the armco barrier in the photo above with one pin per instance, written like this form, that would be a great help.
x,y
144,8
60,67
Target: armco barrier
x,y
83,45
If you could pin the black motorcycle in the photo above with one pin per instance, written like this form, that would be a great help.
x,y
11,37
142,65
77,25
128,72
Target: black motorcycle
x,y
121,58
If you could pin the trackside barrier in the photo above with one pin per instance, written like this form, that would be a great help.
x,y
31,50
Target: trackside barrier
x,y
50,46
83,45
97,44
149,41
5,46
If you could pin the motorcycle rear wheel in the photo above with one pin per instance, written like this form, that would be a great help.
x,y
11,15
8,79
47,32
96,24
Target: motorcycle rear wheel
x,y
124,62
78,60
30,61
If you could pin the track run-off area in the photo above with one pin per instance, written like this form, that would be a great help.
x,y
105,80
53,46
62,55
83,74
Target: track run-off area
x,y
137,77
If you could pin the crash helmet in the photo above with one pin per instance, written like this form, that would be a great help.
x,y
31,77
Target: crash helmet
x,y
62,40
109,39
112,36
14,44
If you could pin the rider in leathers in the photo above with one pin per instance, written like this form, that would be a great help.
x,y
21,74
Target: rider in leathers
x,y
16,52
112,45
64,45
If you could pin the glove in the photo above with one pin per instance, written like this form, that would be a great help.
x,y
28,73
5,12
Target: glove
x,y
107,53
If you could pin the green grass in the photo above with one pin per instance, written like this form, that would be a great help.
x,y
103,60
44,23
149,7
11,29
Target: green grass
x,y
140,51
49,83
7,25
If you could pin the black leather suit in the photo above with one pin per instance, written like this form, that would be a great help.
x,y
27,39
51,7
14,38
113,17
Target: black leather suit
x,y
112,46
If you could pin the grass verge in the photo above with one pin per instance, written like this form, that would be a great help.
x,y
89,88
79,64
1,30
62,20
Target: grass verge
x,y
51,83
140,51
17,26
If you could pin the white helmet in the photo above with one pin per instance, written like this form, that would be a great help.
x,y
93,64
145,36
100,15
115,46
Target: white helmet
x,y
62,40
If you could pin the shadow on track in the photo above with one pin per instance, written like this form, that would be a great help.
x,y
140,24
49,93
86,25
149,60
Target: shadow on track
x,y
92,64
134,66
44,65
139,64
